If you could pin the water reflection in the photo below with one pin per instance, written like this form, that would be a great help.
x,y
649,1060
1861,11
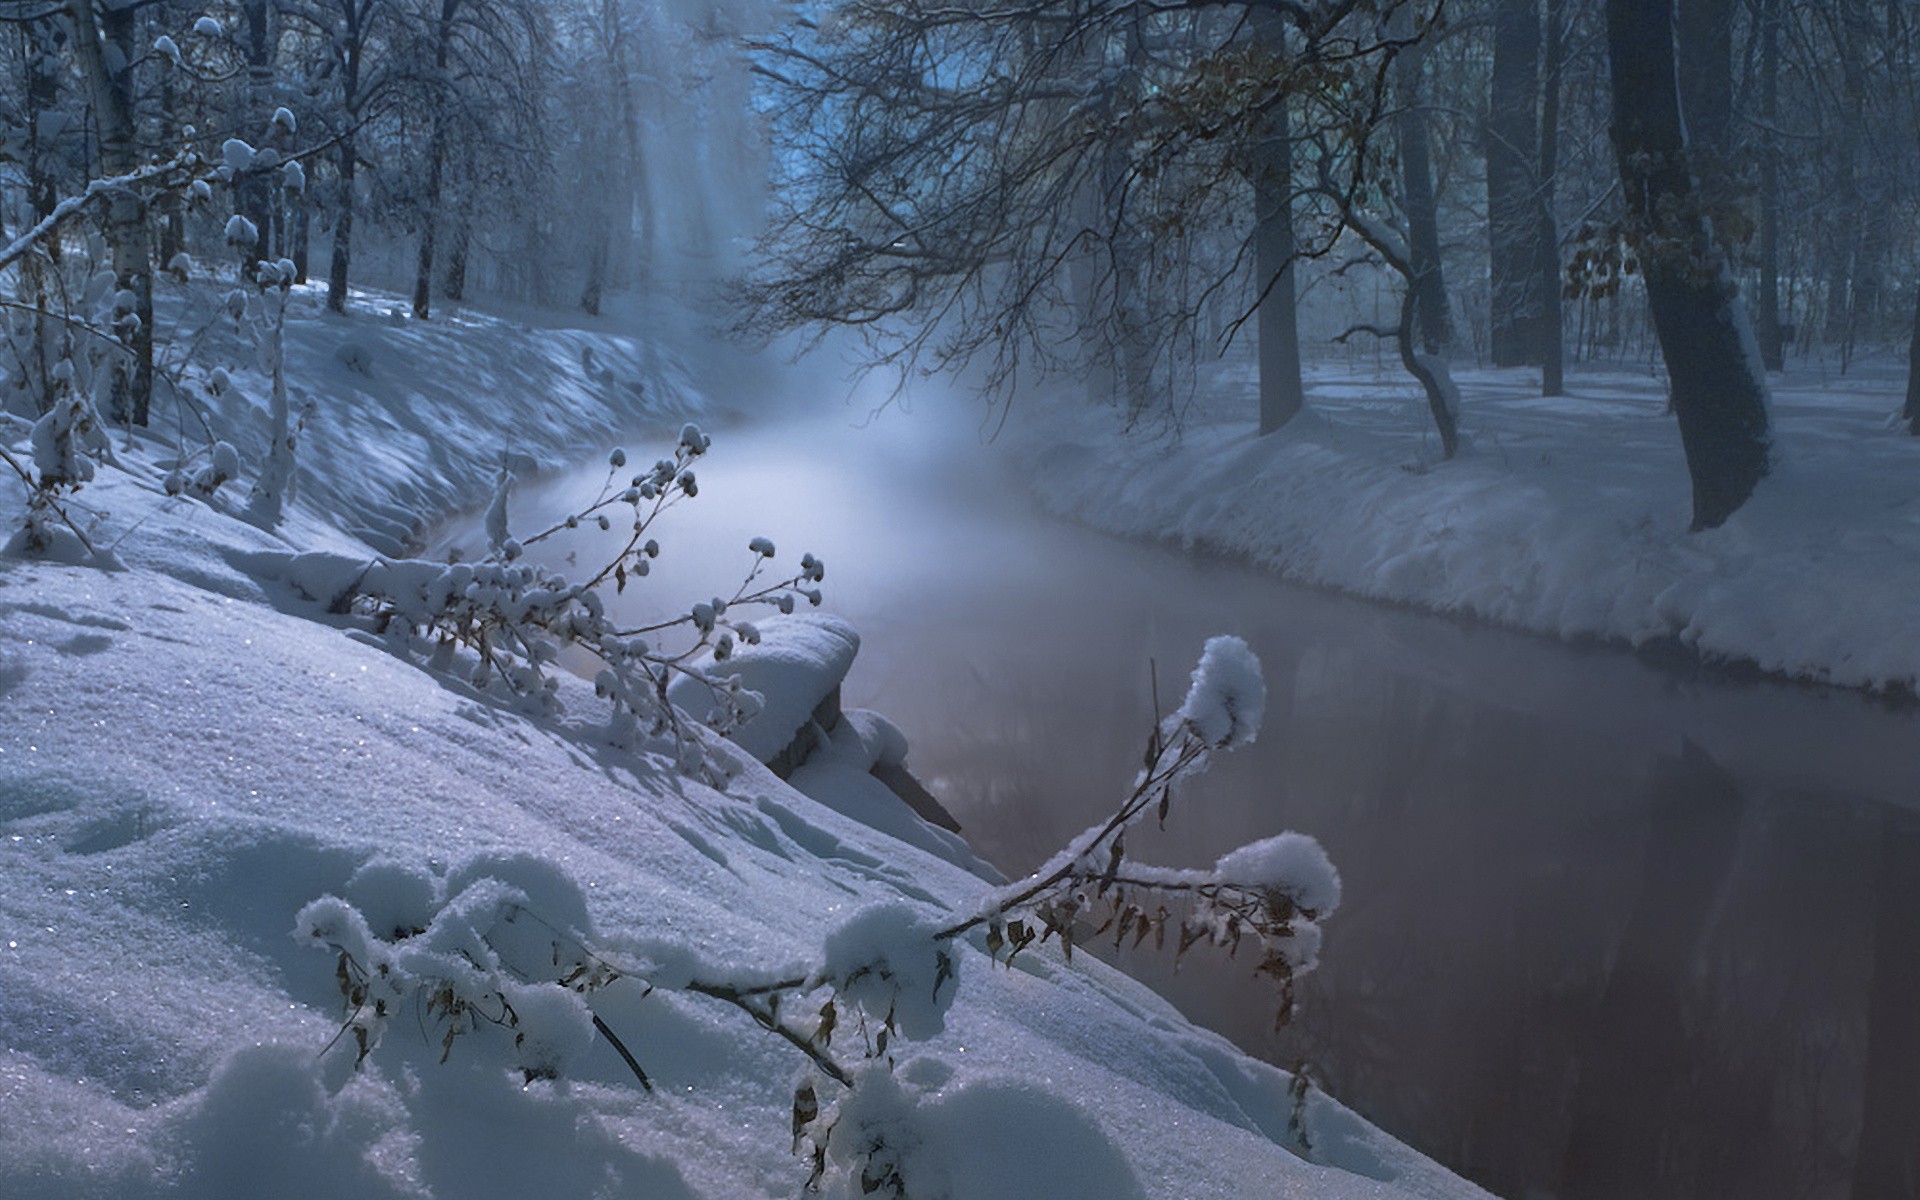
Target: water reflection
x,y
1610,931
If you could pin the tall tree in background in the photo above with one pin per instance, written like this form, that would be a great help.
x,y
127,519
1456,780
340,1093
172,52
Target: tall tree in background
x,y
1713,364
1514,182
349,31
1767,301
106,48
1104,186
481,107
1523,240
1546,265
1433,314
1282,394
439,39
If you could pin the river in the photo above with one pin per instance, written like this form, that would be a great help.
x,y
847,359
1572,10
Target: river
x,y
1612,927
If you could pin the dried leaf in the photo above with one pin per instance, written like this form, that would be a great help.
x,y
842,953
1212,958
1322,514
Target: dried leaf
x,y
806,1108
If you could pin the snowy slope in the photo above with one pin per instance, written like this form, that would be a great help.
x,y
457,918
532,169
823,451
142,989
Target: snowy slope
x,y
400,426
191,754
1565,516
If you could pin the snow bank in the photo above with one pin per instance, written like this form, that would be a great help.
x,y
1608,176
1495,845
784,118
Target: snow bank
x,y
408,420
798,662
283,911
1565,516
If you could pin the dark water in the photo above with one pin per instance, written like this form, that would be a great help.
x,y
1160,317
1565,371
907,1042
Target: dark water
x,y
1610,930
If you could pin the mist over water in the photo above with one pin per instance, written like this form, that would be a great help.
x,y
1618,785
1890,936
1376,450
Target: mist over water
x,y
1610,928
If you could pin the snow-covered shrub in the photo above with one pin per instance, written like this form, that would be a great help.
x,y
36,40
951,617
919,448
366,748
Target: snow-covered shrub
x,y
484,962
65,441
510,951
264,315
503,623
1274,890
222,465
891,965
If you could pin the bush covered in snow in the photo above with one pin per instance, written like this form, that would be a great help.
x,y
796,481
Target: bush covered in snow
x,y
502,623
501,954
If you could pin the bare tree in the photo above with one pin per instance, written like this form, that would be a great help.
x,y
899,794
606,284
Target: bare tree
x,y
1713,364
106,49
1522,239
1071,187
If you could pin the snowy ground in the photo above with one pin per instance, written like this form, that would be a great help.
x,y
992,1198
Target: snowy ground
x,y
1565,516
192,754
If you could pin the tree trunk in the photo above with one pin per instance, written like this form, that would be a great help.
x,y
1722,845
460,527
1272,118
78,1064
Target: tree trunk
x,y
43,62
423,268
594,290
436,162
1433,318
1704,38
1767,307
44,73
302,237
104,45
255,189
353,40
173,222
341,264
454,286
1719,393
1281,393
1912,410
1553,347
1514,179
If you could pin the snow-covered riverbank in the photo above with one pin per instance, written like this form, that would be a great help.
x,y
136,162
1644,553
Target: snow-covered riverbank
x,y
1564,516
192,751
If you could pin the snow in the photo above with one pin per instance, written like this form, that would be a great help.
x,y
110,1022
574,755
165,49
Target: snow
x,y
236,155
242,232
884,960
799,660
1565,516
211,789
1226,697
1291,862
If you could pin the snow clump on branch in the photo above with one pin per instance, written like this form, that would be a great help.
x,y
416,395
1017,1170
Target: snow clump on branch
x,y
1226,697
888,961
1292,864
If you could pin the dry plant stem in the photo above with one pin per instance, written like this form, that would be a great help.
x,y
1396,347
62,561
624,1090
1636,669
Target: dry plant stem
x,y
768,1020
1168,764
620,1048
